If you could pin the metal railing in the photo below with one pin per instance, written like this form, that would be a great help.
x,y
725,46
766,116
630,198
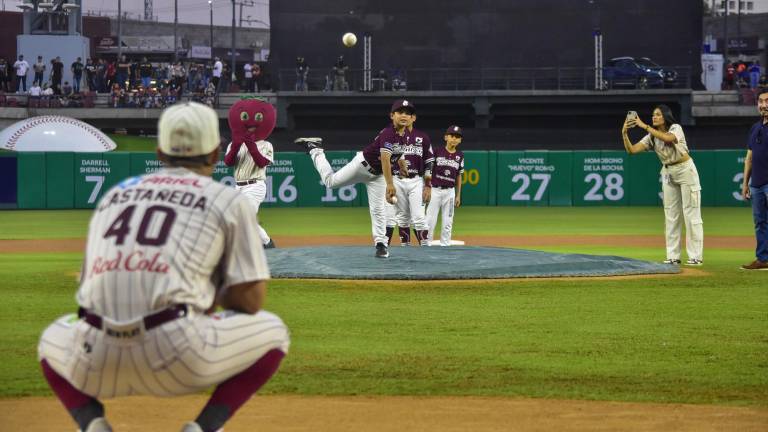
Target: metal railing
x,y
457,79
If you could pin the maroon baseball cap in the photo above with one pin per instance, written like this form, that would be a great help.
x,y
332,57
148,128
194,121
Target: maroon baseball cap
x,y
454,130
403,104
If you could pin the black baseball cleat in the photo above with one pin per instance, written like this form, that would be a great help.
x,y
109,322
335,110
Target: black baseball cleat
x,y
381,250
309,144
270,245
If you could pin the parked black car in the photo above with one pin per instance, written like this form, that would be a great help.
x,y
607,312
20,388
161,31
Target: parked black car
x,y
637,73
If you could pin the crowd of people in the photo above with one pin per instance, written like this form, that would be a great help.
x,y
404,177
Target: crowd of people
x,y
744,75
134,82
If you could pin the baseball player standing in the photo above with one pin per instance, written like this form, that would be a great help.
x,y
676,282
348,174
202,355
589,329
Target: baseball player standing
x,y
371,166
412,179
446,185
251,122
164,248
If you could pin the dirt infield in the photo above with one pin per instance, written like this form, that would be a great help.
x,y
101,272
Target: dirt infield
x,y
728,242
395,414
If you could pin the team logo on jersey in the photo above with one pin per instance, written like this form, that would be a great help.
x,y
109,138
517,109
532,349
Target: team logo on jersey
x,y
130,181
419,140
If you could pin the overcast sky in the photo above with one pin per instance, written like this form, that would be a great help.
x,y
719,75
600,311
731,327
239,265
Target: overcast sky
x,y
190,11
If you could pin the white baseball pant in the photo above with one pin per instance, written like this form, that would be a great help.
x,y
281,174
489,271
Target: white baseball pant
x,y
410,207
256,192
352,173
182,356
443,200
682,194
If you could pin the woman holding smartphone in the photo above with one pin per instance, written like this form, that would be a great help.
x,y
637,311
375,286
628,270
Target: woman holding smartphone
x,y
680,181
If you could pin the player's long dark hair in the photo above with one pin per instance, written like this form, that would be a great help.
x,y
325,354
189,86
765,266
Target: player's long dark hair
x,y
666,113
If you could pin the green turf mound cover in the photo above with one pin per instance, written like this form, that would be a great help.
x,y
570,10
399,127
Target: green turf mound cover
x,y
462,262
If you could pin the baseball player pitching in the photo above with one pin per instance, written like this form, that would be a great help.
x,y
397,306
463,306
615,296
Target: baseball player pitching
x,y
372,166
446,185
251,122
412,178
163,249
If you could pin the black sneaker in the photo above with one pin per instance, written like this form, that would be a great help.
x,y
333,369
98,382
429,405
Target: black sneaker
x,y
381,250
309,144
671,261
270,245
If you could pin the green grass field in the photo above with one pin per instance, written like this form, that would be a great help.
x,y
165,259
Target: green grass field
x,y
129,143
663,339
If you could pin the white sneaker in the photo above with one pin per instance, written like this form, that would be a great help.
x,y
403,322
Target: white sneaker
x,y
191,427
194,427
99,424
671,261
694,262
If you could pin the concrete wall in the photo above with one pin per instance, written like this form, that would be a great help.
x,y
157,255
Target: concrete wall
x,y
195,34
67,47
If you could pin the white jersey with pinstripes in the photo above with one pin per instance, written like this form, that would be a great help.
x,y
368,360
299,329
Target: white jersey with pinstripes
x,y
246,168
167,238
172,237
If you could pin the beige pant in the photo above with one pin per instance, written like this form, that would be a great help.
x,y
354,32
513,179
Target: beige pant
x,y
182,356
682,198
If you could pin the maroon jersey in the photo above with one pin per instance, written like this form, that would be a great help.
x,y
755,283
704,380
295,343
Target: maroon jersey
x,y
387,141
448,168
417,151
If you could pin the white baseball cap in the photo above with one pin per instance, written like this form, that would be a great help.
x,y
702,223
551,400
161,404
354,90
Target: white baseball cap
x,y
188,129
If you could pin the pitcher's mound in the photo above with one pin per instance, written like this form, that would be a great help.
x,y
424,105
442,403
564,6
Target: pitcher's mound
x,y
457,262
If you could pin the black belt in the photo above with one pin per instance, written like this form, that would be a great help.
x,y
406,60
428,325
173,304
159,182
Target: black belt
x,y
369,167
444,187
247,182
150,321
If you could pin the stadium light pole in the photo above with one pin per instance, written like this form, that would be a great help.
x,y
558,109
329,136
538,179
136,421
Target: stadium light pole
x,y
175,29
119,29
232,78
210,3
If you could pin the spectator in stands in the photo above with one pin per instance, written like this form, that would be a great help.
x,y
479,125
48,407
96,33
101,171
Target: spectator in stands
x,y
116,96
193,76
210,94
90,75
218,69
340,75
21,66
754,75
208,73
146,71
57,72
123,70
35,91
110,72
133,74
39,69
179,78
256,78
248,76
77,74
66,89
5,75
730,76
47,91
302,71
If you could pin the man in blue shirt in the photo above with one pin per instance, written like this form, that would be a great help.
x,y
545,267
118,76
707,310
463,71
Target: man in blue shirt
x,y
756,169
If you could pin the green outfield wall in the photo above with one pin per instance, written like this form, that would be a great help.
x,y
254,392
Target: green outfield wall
x,y
504,178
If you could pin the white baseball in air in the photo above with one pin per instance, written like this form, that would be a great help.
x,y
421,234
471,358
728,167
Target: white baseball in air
x,y
394,200
349,39
54,133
